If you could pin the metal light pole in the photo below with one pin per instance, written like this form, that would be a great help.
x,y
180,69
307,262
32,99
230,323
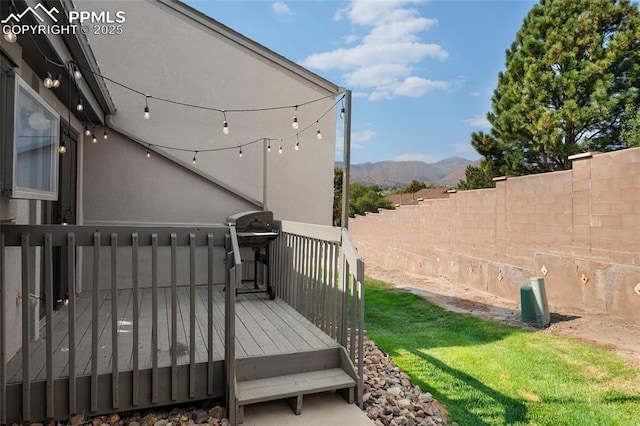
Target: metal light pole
x,y
346,159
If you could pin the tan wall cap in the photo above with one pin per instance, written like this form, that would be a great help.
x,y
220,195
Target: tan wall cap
x,y
583,155
499,178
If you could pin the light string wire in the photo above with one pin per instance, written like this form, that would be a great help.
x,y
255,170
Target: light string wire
x,y
71,66
220,110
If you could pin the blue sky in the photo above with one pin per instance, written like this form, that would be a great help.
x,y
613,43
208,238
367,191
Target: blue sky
x,y
421,72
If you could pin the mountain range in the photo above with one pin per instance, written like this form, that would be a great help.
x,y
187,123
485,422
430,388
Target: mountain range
x,y
393,174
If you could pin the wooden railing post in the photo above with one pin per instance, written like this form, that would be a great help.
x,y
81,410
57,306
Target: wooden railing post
x,y
233,281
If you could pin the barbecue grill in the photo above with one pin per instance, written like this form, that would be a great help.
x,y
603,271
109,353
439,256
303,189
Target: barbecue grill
x,y
254,230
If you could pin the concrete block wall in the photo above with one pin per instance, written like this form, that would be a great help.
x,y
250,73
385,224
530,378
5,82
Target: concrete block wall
x,y
579,228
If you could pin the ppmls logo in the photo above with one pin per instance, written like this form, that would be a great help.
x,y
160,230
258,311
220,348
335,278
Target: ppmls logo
x,y
16,24
18,17
79,21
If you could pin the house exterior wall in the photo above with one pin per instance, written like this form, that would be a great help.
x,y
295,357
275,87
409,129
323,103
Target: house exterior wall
x,y
166,54
25,212
582,226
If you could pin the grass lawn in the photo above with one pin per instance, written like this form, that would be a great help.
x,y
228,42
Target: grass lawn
x,y
489,373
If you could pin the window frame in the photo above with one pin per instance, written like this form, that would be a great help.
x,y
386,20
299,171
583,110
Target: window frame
x,y
19,192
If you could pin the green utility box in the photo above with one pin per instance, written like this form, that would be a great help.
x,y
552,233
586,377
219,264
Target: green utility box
x,y
527,304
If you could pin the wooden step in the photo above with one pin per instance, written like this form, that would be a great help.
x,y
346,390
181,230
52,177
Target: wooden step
x,y
293,387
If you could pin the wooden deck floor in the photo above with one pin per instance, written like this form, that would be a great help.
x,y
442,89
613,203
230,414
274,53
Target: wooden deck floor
x,y
264,327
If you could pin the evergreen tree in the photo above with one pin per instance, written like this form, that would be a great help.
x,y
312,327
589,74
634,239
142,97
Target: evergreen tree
x,y
572,74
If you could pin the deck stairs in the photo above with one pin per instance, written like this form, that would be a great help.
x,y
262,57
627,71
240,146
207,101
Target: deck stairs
x,y
291,376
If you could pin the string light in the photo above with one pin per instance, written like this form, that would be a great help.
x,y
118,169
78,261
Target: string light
x,y
76,73
225,125
56,81
10,36
62,148
194,157
342,112
105,136
48,81
226,129
94,139
294,124
87,132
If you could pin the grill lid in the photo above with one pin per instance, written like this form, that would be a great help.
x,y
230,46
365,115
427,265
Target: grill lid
x,y
252,221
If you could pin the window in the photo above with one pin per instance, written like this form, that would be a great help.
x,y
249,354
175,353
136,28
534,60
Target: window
x,y
34,159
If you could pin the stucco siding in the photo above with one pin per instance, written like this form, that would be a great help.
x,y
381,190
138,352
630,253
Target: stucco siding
x,y
166,54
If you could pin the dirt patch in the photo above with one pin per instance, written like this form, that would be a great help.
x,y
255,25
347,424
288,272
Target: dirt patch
x,y
618,335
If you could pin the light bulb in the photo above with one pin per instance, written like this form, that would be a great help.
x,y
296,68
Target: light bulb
x,y
62,149
294,124
318,134
10,36
56,81
342,112
297,147
94,139
65,222
147,114
225,128
87,132
105,136
269,147
240,154
77,74
194,157
48,81
280,150
148,154
79,107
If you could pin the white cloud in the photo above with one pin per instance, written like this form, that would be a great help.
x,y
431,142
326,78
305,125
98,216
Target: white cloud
x,y
282,9
479,121
351,38
363,136
413,87
415,157
474,94
383,61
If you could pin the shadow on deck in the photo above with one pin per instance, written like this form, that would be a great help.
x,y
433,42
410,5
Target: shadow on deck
x,y
269,333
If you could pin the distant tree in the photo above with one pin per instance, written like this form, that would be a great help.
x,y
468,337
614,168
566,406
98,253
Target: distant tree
x,y
366,198
362,198
415,186
337,196
476,177
572,75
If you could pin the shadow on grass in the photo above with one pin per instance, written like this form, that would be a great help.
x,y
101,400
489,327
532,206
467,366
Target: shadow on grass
x,y
510,410
399,319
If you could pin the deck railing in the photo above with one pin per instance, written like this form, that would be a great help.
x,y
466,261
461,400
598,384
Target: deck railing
x,y
317,270
313,268
111,245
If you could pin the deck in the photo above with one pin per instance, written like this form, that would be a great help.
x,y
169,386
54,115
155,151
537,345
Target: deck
x,y
263,328
145,331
